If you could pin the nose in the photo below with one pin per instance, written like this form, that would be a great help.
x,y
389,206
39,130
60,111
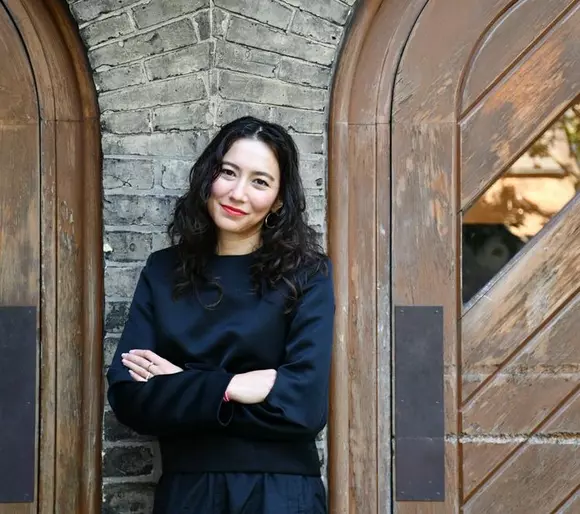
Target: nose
x,y
238,192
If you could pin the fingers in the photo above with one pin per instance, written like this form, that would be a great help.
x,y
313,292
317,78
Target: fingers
x,y
152,362
137,377
137,369
149,356
138,360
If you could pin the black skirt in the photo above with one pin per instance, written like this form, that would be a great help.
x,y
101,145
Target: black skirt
x,y
239,493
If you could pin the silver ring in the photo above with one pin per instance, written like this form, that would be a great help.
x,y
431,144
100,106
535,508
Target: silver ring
x,y
149,367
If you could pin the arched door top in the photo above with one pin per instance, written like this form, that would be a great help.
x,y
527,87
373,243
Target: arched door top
x,y
71,269
432,100
58,58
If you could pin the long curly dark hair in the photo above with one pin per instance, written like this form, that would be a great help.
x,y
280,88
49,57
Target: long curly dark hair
x,y
288,244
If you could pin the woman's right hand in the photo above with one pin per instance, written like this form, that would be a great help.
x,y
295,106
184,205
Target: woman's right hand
x,y
251,387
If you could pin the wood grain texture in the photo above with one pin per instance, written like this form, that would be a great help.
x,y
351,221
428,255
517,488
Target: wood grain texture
x,y
19,235
92,321
70,163
18,103
424,262
338,423
19,215
19,191
419,101
377,36
48,319
567,421
537,477
381,42
69,376
543,373
571,505
536,286
384,327
350,58
523,24
426,179
399,23
362,333
521,107
424,259
359,428
432,67
479,459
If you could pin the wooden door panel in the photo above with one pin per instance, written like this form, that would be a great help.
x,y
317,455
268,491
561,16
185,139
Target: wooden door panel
x,y
524,393
361,241
568,419
19,215
48,321
523,25
521,485
19,287
465,106
521,107
515,404
533,290
572,505
431,68
423,223
19,262
426,219
480,459
17,92
69,439
19,268
57,219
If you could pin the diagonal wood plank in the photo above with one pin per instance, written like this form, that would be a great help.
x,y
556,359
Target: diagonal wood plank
x,y
535,481
547,357
526,297
488,489
520,108
520,396
523,24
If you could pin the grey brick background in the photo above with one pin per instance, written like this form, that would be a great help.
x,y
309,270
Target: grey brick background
x,y
169,73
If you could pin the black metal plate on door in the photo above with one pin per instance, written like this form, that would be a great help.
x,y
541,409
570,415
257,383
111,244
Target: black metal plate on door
x,y
419,404
18,390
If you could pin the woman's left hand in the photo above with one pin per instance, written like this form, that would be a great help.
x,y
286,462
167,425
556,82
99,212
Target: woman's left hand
x,y
145,364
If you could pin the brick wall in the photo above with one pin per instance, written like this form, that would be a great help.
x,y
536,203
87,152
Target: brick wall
x,y
168,74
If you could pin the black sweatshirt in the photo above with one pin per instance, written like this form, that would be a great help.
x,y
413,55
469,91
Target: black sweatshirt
x,y
246,331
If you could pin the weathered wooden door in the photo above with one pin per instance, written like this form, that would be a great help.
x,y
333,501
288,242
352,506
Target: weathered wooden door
x,y
19,273
50,265
487,393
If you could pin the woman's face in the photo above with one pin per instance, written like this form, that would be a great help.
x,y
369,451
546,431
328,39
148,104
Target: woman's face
x,y
246,190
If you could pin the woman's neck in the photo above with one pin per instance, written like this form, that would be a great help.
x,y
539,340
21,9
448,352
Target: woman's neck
x,y
235,244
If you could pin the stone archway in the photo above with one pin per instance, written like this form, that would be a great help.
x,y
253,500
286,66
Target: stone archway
x,y
68,286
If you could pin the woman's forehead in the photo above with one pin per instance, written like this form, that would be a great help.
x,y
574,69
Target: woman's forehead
x,y
249,155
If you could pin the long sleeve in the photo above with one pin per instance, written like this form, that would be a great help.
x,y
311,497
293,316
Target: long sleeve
x,y
165,405
297,406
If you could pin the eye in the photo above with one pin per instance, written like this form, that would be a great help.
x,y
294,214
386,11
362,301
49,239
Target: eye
x,y
262,183
227,172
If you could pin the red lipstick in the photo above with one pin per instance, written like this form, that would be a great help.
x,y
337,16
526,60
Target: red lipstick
x,y
232,211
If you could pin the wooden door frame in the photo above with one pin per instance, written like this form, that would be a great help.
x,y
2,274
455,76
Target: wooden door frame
x,y
359,244
361,235
70,371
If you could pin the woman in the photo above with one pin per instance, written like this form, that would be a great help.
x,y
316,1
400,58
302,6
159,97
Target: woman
x,y
226,351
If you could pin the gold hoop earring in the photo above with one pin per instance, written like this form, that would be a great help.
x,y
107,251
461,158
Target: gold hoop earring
x,y
272,225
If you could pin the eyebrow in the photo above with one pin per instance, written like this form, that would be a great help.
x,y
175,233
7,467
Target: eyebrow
x,y
258,173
